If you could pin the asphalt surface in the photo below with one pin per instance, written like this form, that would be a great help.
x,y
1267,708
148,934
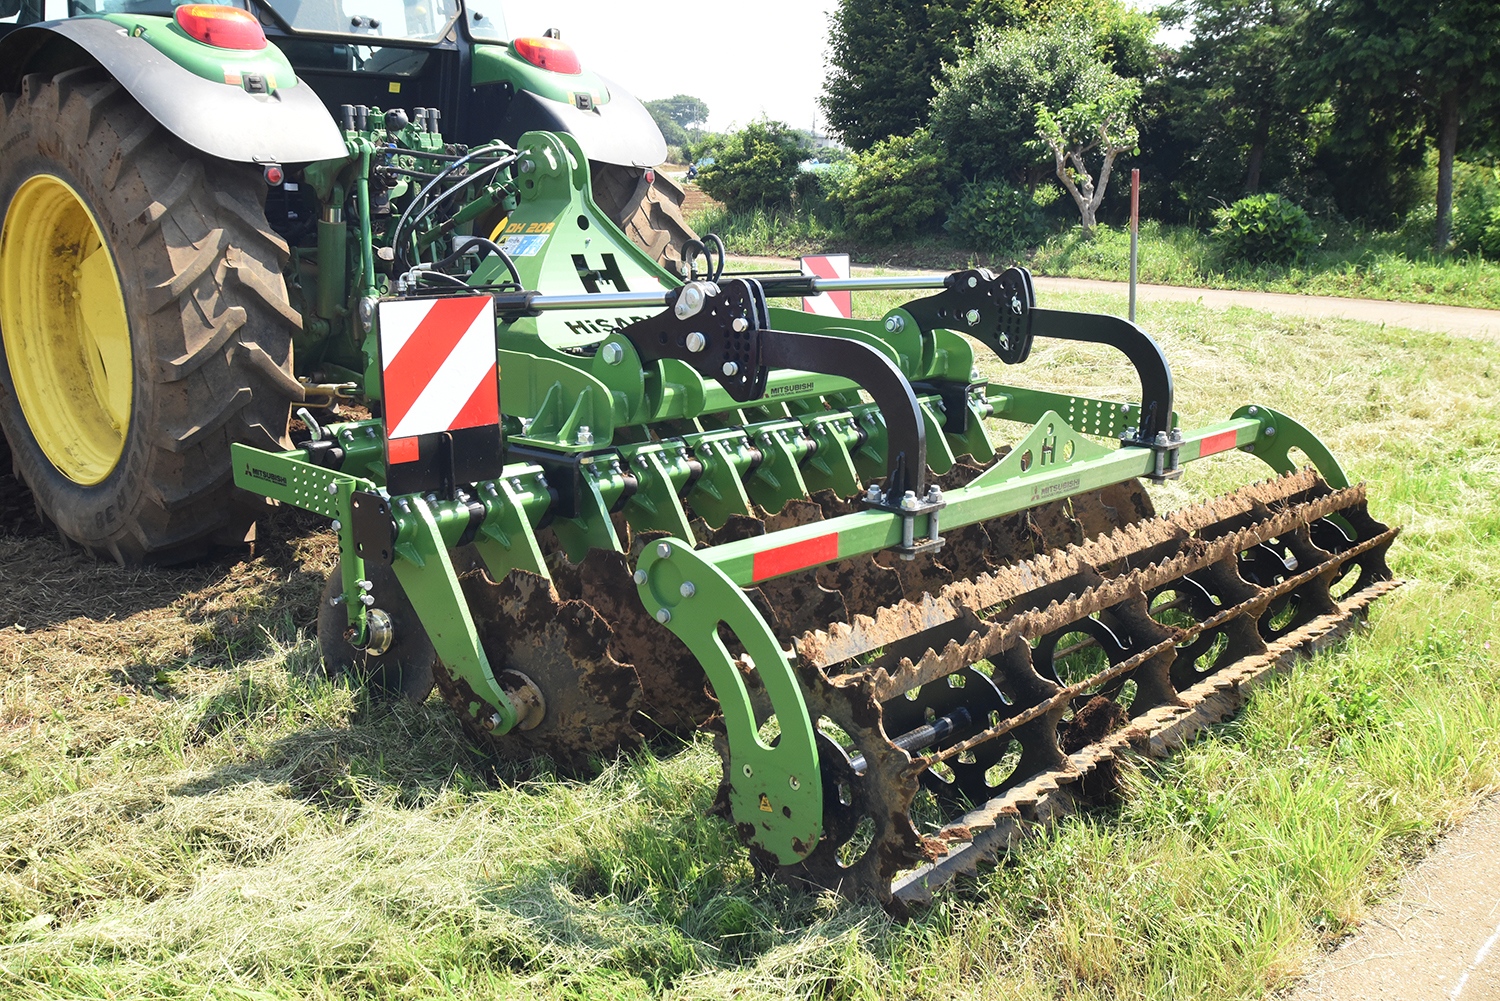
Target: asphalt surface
x,y
1482,324
1463,321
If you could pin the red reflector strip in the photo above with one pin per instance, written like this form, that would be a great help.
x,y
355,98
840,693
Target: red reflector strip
x,y
797,556
403,450
1221,442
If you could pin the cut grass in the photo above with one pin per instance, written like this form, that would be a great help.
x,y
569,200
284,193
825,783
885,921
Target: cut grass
x,y
188,811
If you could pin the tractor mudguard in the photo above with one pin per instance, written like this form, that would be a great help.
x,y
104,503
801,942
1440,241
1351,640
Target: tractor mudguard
x,y
621,131
222,120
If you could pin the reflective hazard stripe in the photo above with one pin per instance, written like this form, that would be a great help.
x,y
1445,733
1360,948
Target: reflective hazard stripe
x,y
438,365
795,556
836,304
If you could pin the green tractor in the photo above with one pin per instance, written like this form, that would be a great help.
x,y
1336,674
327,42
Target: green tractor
x,y
587,498
122,428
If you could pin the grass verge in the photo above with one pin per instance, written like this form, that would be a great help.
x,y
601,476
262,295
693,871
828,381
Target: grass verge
x,y
188,811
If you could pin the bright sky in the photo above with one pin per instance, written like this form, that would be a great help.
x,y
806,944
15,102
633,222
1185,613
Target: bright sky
x,y
742,60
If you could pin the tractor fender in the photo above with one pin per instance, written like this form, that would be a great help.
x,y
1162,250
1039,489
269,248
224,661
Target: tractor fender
x,y
288,126
621,131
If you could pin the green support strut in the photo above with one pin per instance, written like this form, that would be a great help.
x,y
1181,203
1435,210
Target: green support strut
x,y
1279,435
776,793
431,585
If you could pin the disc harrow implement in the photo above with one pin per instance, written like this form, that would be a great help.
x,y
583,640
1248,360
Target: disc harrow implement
x,y
921,610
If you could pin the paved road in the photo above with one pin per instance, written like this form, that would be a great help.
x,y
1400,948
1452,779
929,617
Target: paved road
x,y
1464,321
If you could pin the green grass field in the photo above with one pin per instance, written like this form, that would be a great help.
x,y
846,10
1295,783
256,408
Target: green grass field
x,y
186,812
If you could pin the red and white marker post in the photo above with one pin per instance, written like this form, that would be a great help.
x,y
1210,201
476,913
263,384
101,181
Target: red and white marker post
x,y
835,304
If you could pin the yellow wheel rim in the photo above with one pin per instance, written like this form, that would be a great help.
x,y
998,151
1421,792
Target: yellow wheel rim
x,y
67,339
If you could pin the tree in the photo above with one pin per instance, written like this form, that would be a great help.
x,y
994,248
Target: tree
x,y
882,60
895,188
681,117
1241,64
1442,56
884,57
982,111
756,167
1017,86
1098,122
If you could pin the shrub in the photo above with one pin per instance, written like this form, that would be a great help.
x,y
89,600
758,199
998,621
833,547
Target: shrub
x,y
1263,229
895,188
756,167
992,215
1476,212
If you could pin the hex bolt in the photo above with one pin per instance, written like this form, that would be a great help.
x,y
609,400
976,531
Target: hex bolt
x,y
364,585
613,353
934,494
696,342
336,600
1176,436
740,324
1253,411
367,600
333,488
585,436
1015,304
894,324
687,590
972,316
731,368
909,501
748,771
663,616
1161,438
1270,432
664,550
873,494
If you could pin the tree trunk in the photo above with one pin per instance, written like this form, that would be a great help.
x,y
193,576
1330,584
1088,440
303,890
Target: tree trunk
x,y
1447,144
1258,150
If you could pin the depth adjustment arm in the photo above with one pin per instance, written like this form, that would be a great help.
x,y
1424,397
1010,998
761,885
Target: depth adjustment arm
x,y
722,331
991,309
1001,312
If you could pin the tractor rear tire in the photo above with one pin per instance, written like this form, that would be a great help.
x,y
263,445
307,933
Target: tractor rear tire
x,y
648,210
144,322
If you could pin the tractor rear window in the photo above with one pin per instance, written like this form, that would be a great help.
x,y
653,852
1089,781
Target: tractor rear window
x,y
422,20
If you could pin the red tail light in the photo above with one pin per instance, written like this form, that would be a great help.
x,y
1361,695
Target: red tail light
x,y
221,27
550,54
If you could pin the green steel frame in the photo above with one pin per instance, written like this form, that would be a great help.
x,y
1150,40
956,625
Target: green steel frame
x,y
655,440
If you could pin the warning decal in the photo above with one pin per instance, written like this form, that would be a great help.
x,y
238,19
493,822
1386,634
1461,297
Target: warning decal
x,y
838,304
438,362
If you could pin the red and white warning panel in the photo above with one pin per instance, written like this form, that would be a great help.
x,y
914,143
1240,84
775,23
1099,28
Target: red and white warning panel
x,y
441,392
839,304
